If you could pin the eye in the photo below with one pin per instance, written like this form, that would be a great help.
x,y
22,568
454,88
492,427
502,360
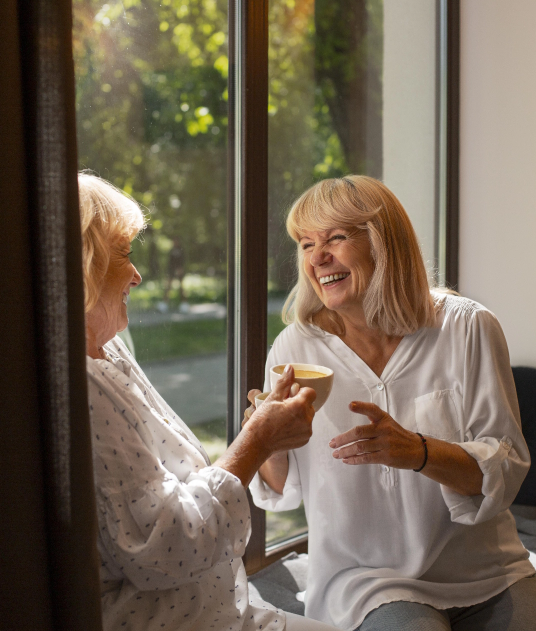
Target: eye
x,y
338,237
307,246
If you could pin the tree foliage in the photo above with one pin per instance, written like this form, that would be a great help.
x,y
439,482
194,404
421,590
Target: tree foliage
x,y
152,112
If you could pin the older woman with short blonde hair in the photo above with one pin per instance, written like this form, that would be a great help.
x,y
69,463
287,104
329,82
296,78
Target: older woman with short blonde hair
x,y
172,526
418,452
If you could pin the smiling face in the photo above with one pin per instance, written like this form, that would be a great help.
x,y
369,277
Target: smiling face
x,y
109,315
339,266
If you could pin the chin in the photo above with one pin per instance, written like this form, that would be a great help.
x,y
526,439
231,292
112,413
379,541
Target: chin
x,y
122,326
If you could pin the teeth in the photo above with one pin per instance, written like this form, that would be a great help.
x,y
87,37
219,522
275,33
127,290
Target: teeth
x,y
324,280
125,299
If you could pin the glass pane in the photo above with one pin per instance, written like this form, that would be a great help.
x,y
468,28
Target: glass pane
x,y
352,90
151,81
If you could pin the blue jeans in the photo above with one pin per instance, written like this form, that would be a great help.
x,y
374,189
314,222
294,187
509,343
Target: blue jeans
x,y
511,610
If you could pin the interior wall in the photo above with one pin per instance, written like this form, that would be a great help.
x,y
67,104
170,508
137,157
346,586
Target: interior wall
x,y
498,166
409,112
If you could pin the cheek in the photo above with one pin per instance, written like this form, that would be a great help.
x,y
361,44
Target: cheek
x,y
309,272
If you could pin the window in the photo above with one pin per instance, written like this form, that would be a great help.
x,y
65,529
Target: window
x,y
354,87
152,118
216,117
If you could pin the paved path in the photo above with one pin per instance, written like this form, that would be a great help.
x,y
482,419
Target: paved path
x,y
195,387
206,311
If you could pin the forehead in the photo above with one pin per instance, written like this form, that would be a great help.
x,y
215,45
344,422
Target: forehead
x,y
120,242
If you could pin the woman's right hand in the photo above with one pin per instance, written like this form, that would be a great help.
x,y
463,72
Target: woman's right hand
x,y
282,423
274,470
294,389
284,419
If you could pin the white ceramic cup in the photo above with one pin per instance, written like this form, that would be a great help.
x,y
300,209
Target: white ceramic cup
x,y
321,385
259,399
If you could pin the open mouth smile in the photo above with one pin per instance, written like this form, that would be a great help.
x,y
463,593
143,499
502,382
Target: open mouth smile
x,y
332,278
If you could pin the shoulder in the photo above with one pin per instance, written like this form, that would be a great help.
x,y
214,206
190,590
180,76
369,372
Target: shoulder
x,y
460,312
296,334
116,346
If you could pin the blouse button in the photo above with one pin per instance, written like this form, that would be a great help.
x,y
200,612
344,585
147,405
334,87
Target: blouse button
x,y
380,386
385,468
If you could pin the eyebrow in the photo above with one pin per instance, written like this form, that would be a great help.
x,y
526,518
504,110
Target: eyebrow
x,y
330,231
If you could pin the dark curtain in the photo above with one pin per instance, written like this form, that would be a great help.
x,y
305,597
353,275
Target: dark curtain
x,y
48,558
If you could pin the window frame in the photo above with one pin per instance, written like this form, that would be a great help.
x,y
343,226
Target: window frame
x,y
248,212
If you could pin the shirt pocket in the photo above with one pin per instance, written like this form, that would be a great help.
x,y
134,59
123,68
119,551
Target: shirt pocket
x,y
436,415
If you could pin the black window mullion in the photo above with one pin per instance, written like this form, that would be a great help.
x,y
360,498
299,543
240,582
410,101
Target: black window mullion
x,y
248,210
453,145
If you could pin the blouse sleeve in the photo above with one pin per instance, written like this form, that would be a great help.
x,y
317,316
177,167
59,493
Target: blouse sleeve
x,y
491,424
263,495
158,529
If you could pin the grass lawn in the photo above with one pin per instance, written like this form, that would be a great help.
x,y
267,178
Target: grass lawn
x,y
185,339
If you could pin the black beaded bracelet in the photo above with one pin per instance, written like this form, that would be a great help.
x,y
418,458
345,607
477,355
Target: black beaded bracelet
x,y
423,439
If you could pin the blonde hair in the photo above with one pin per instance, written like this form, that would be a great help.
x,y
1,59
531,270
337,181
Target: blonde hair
x,y
106,214
397,299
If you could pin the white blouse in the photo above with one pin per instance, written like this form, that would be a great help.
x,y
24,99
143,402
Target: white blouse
x,y
379,534
172,528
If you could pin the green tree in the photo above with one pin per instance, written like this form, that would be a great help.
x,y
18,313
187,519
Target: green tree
x,y
152,114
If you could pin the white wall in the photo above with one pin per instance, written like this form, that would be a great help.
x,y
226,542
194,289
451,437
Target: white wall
x,y
498,166
409,102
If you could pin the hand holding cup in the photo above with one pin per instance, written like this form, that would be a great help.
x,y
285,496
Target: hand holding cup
x,y
284,421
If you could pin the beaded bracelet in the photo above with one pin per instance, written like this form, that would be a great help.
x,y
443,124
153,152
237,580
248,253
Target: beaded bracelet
x,y
423,439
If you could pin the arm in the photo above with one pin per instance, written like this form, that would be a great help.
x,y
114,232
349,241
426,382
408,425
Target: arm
x,y
384,441
282,423
274,470
159,526
490,425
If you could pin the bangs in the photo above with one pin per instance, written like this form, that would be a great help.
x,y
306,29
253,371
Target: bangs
x,y
111,211
334,203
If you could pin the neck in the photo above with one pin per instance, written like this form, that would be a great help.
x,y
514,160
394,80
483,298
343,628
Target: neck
x,y
94,343
373,345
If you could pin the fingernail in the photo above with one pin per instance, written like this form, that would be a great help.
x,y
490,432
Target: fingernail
x,y
287,369
332,443
336,454
294,389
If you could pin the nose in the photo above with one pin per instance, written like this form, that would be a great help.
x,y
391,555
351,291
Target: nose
x,y
136,279
320,256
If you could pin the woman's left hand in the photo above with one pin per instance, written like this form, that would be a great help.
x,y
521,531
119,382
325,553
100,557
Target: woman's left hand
x,y
384,441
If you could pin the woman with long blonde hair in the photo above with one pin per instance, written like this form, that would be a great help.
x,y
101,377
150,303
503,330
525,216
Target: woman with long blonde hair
x,y
418,452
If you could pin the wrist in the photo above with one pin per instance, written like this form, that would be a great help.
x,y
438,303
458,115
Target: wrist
x,y
256,443
423,458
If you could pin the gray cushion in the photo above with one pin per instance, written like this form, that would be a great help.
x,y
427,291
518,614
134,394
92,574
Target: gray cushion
x,y
280,582
525,379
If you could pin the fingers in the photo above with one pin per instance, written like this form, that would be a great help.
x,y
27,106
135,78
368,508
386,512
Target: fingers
x,y
283,385
252,394
353,454
360,432
305,395
371,410
247,414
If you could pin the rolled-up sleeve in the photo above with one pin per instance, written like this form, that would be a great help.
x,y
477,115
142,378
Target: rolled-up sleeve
x,y
265,497
160,528
165,532
491,423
